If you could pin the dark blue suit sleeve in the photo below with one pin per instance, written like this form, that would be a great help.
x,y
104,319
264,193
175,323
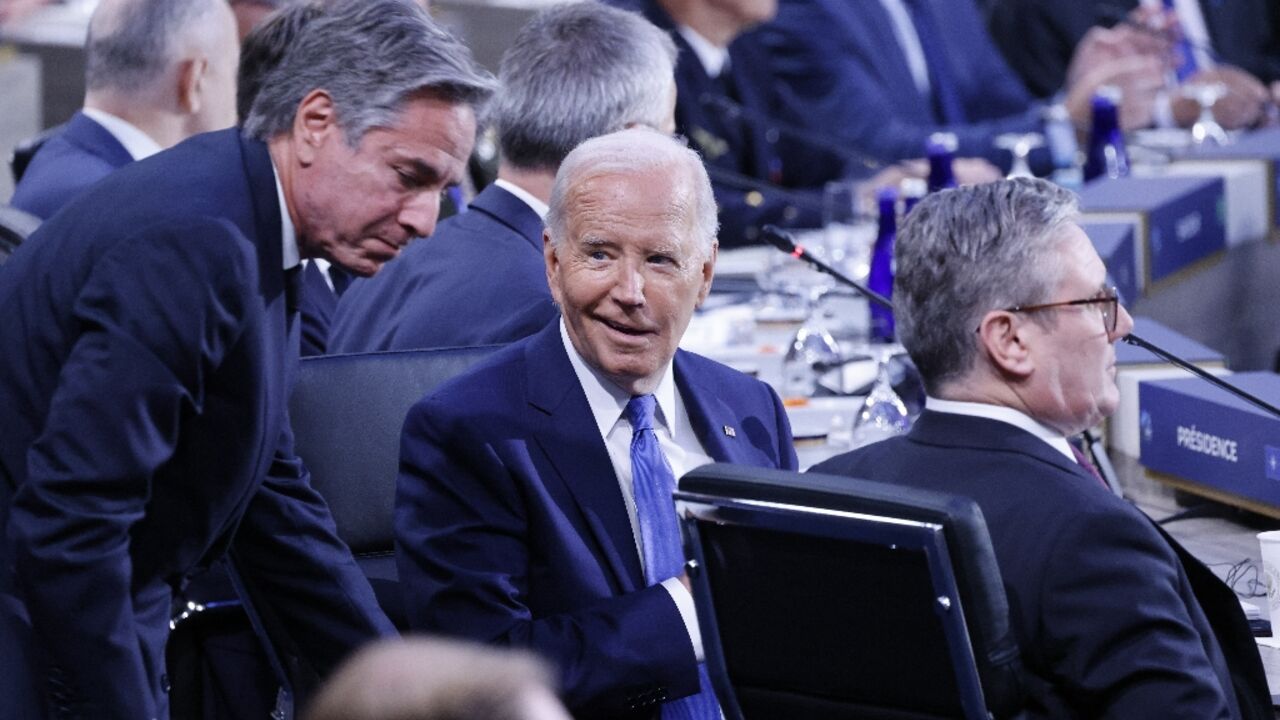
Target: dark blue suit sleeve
x,y
1125,649
474,527
158,311
288,554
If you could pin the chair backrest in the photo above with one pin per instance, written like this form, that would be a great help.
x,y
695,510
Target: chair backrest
x,y
347,411
831,597
15,227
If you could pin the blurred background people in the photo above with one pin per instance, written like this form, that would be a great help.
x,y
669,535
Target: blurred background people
x,y
157,72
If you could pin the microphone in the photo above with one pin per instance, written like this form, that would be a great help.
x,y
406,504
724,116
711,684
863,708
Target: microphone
x,y
801,135
1202,374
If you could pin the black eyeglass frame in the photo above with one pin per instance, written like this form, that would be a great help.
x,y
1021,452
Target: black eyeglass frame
x,y
1110,311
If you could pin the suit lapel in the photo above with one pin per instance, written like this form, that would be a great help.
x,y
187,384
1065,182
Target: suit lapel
x,y
511,211
567,434
85,132
717,426
963,431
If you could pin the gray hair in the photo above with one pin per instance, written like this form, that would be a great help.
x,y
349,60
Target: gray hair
x,y
132,43
372,57
965,252
577,71
265,46
636,151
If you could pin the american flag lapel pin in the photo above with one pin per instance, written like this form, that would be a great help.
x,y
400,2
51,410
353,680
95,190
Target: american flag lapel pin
x,y
728,430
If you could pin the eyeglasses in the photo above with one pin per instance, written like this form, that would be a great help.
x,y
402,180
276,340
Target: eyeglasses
x,y
1109,299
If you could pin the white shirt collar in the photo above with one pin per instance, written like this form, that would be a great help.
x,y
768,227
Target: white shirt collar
x,y
714,59
1003,414
288,235
137,143
534,203
607,400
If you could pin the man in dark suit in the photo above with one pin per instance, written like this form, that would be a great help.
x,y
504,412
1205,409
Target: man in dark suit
x,y
1240,45
886,74
534,502
157,72
573,72
1013,336
150,339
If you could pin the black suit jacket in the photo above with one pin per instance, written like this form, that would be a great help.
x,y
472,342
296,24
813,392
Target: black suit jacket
x,y
1114,618
149,348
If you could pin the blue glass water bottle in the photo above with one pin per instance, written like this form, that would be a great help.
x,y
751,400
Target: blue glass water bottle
x,y
1107,155
941,152
880,279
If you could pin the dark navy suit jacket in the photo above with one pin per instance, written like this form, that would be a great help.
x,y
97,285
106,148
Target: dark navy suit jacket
x,y
1038,37
511,528
1114,618
68,163
149,348
480,279
741,147
846,71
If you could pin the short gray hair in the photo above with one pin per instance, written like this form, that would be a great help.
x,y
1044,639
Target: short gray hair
x,y
636,151
964,252
372,57
576,71
132,43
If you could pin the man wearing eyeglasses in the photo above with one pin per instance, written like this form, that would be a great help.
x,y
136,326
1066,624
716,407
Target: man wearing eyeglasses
x,y
1004,307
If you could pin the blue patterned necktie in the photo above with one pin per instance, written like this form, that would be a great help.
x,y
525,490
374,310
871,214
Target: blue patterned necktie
x,y
946,97
653,483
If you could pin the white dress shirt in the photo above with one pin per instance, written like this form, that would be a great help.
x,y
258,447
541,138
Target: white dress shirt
x,y
714,59
534,203
288,235
679,444
138,144
1006,415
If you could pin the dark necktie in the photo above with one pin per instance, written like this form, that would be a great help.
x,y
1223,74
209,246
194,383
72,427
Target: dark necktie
x,y
653,483
1083,462
946,97
293,283
340,278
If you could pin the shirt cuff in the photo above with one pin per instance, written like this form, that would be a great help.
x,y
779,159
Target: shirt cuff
x,y
688,613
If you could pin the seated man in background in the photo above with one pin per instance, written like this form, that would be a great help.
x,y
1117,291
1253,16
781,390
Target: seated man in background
x,y
150,342
1236,43
727,105
1002,304
434,679
884,75
573,72
534,501
156,73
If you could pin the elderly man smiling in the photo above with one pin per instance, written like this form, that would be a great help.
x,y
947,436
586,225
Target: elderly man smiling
x,y
534,503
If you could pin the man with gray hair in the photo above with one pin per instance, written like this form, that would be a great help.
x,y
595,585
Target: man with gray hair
x,y
157,72
150,336
1004,306
573,72
534,501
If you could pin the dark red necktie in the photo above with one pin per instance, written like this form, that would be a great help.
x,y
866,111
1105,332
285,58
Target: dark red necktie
x,y
1088,466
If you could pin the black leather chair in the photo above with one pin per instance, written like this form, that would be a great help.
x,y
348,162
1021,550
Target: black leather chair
x,y
15,227
829,597
347,411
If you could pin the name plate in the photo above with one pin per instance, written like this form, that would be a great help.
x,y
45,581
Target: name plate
x,y
1178,222
1114,243
1262,145
1197,432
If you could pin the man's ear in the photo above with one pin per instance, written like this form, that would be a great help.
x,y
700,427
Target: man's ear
x,y
553,265
708,271
1004,337
191,74
314,124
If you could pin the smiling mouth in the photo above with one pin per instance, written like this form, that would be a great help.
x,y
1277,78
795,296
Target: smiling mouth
x,y
626,330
